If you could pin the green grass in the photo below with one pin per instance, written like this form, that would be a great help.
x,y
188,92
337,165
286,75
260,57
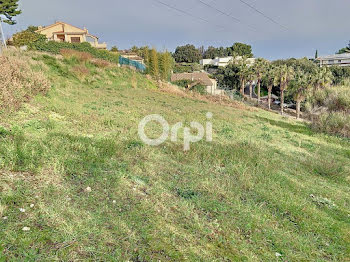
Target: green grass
x,y
265,185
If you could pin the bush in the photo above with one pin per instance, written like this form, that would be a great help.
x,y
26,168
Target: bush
x,y
197,88
27,38
56,47
337,123
182,83
336,118
341,74
200,89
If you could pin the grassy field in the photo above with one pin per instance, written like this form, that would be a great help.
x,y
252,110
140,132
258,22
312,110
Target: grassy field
x,y
266,189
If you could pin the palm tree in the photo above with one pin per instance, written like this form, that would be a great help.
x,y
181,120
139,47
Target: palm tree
x,y
283,75
251,78
259,68
269,78
324,77
300,88
243,74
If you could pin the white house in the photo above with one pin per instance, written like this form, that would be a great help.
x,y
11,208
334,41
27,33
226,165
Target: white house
x,y
335,60
224,61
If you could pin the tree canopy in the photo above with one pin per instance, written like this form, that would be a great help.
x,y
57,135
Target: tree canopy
x,y
9,9
344,50
187,54
241,49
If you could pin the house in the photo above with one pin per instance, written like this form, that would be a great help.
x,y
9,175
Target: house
x,y
63,32
335,60
200,77
225,61
132,56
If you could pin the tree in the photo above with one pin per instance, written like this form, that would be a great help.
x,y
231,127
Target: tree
x,y
187,54
283,75
300,87
165,65
259,68
114,49
27,38
240,49
9,9
316,54
323,76
32,28
153,63
211,53
345,49
243,74
268,79
250,78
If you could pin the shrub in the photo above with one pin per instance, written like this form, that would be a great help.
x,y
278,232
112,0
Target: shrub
x,y
18,83
182,83
337,123
27,38
200,89
56,47
340,74
335,102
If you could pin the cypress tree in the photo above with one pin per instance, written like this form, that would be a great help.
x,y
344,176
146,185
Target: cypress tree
x,y
145,55
153,63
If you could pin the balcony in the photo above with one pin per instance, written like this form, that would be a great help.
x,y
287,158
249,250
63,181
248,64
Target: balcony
x,y
98,45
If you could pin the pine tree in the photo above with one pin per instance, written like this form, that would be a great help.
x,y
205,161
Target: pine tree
x,y
316,54
9,9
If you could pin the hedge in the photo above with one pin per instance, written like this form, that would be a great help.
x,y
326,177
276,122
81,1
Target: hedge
x,y
55,48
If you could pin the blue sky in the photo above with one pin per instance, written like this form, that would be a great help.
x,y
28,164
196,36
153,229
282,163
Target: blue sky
x,y
311,24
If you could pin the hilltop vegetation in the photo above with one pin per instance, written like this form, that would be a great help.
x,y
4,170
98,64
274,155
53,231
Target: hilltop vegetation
x,y
266,189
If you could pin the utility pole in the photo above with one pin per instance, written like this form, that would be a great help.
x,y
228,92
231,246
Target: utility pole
x,y
2,38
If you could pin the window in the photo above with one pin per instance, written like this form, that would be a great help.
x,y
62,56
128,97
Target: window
x,y
75,39
330,61
339,61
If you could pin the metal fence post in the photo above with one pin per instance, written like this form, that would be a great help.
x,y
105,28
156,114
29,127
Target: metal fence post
x,y
2,38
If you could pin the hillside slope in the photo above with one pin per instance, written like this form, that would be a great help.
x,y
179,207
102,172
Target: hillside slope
x,y
266,188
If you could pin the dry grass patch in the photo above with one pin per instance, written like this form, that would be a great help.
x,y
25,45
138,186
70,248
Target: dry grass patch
x,y
81,56
19,82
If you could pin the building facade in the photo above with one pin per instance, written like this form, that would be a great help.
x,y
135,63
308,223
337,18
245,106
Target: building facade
x,y
225,61
335,60
63,32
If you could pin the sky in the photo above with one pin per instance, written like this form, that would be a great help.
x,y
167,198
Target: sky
x,y
286,28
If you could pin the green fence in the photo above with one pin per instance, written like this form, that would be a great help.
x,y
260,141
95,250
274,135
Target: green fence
x,y
137,65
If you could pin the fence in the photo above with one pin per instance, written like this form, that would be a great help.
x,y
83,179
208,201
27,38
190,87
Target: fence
x,y
137,65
